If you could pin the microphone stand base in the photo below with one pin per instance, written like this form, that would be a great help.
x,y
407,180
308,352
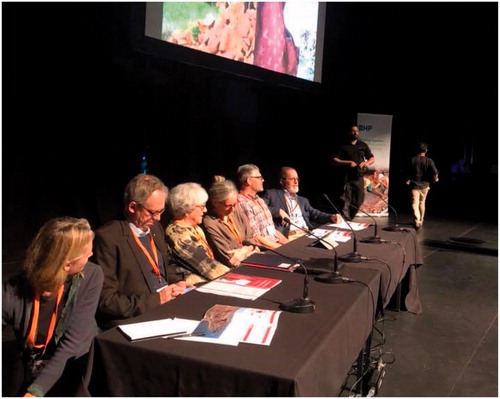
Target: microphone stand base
x,y
393,228
330,278
352,257
298,305
372,240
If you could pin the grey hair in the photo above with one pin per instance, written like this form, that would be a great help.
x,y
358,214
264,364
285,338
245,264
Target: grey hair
x,y
221,189
141,187
184,197
244,172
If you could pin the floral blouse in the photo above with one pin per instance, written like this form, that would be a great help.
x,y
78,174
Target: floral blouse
x,y
193,255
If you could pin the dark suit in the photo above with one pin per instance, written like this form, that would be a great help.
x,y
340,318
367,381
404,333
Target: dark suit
x,y
275,200
130,286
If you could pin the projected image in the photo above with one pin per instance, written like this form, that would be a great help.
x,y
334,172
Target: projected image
x,y
279,36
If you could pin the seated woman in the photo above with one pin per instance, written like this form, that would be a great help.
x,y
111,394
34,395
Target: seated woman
x,y
190,249
51,307
227,228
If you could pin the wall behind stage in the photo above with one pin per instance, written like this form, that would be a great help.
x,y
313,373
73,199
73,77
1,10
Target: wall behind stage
x,y
81,105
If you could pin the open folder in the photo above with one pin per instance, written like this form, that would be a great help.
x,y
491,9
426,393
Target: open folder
x,y
270,261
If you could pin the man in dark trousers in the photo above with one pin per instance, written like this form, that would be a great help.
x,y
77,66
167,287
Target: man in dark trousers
x,y
354,156
421,172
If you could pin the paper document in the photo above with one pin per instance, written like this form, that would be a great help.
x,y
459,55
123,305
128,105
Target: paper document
x,y
240,286
337,235
157,328
355,226
229,325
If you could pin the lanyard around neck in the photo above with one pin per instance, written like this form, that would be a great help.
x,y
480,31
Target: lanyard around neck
x,y
204,243
152,262
255,200
289,203
232,228
34,320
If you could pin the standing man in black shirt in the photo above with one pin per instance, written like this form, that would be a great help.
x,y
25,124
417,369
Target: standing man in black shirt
x,y
354,156
421,173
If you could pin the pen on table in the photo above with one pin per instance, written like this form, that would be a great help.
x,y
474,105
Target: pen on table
x,y
159,336
199,334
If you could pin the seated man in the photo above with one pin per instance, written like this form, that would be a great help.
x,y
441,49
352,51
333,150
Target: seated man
x,y
286,203
251,183
134,256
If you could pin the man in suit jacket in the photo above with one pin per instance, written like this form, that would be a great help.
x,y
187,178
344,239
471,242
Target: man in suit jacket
x,y
134,255
286,203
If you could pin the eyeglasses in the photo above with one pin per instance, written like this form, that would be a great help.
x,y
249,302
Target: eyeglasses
x,y
202,207
292,179
256,177
152,213
227,206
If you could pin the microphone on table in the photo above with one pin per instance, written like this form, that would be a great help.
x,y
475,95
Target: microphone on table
x,y
296,305
354,256
333,277
396,226
375,239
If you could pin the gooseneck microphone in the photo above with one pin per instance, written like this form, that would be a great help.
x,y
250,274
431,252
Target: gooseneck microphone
x,y
296,305
396,226
374,239
333,277
354,256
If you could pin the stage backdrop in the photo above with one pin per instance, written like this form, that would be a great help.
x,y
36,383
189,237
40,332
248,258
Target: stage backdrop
x,y
375,130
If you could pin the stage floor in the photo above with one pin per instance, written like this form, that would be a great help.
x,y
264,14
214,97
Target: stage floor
x,y
451,349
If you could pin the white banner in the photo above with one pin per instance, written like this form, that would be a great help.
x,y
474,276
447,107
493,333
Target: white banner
x,y
375,130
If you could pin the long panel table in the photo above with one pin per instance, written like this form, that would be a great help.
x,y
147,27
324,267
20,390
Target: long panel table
x,y
397,259
310,355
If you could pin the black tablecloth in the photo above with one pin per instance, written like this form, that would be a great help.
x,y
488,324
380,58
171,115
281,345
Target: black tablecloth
x,y
310,354
396,259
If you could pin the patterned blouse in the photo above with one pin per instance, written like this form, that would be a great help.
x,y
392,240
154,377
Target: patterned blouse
x,y
192,254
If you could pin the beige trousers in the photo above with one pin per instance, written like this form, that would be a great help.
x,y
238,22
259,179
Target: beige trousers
x,y
419,196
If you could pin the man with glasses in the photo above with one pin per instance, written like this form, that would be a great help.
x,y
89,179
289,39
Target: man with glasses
x,y
286,203
251,183
134,255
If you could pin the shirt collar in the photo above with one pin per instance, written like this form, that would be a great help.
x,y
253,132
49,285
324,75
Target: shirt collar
x,y
137,231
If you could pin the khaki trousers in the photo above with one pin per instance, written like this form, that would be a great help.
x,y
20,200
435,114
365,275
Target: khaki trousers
x,y
419,196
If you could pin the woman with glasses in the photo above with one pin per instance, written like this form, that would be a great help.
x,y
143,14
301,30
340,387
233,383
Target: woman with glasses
x,y
133,253
51,306
227,228
186,239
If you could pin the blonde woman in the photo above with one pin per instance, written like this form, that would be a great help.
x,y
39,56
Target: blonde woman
x,y
51,307
187,241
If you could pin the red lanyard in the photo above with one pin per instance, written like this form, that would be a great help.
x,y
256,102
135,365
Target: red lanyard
x,y
232,228
152,262
204,243
256,201
34,320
